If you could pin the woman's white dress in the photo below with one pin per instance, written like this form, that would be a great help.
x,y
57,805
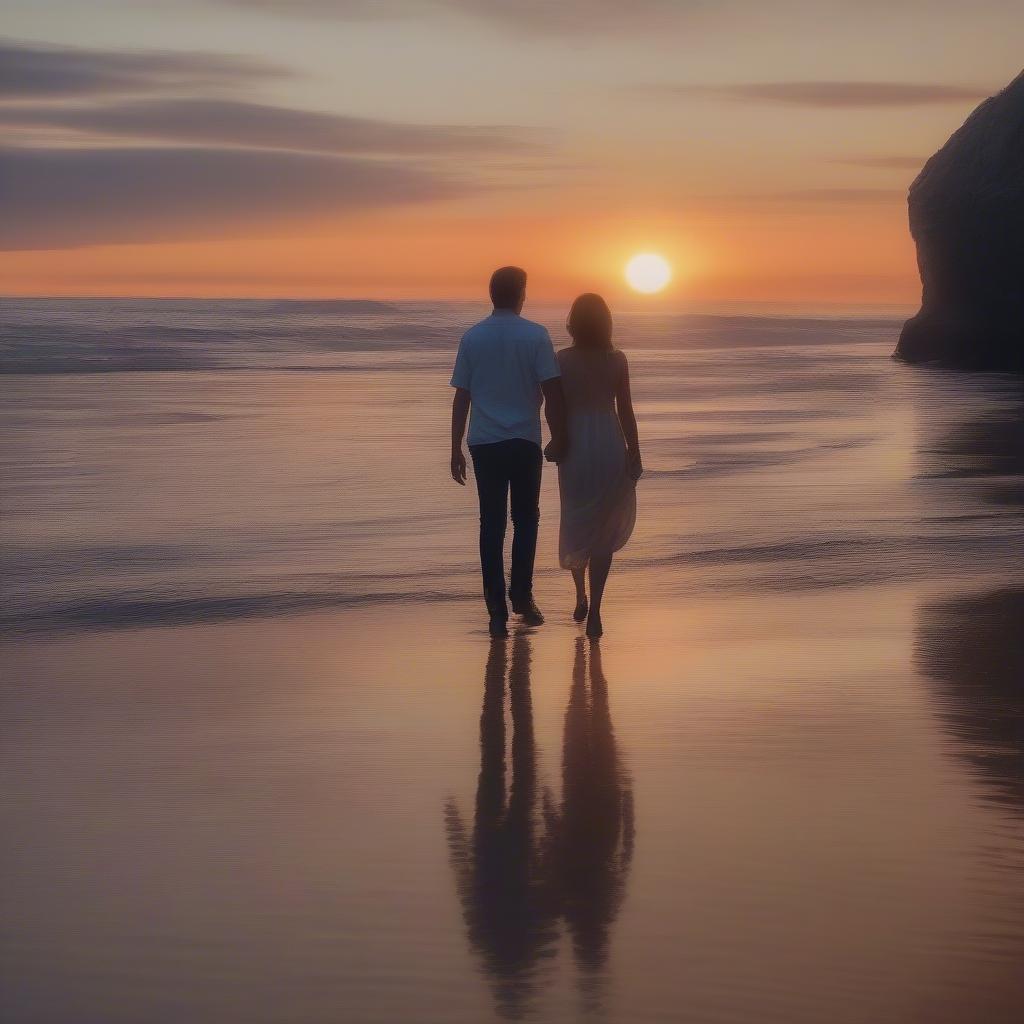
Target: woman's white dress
x,y
597,494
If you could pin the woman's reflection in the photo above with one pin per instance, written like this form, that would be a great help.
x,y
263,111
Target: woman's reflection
x,y
519,874
593,828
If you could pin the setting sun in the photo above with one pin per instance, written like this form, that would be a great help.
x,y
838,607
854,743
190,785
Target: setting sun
x,y
648,272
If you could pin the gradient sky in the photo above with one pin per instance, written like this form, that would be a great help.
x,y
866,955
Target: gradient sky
x,y
402,148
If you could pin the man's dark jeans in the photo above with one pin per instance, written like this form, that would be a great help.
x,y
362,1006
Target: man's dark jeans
x,y
502,468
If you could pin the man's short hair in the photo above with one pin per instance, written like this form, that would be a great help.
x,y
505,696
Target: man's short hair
x,y
508,287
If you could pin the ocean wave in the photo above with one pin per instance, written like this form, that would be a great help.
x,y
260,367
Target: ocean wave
x,y
117,611
736,458
791,565
67,336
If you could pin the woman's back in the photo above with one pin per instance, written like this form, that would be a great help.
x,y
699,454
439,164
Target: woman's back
x,y
598,497
590,378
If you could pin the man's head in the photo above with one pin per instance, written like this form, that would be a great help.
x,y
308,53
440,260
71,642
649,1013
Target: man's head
x,y
508,288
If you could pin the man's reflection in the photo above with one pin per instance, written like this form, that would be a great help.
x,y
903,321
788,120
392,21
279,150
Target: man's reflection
x,y
521,872
501,870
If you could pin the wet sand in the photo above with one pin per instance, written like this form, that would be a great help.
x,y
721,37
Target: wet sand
x,y
732,809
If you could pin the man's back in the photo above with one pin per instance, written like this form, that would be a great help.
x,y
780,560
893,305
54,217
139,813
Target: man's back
x,y
502,362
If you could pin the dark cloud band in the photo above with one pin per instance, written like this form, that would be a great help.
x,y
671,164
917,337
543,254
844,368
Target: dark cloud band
x,y
30,71
65,198
885,163
828,94
825,196
596,17
227,122
531,16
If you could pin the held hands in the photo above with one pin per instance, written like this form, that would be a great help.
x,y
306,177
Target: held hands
x,y
556,450
459,467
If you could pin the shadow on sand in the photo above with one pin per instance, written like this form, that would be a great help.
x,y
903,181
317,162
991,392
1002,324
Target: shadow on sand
x,y
530,864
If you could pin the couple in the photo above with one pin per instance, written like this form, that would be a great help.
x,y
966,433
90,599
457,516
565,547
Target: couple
x,y
505,368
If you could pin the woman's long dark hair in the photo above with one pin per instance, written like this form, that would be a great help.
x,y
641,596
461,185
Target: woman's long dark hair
x,y
590,323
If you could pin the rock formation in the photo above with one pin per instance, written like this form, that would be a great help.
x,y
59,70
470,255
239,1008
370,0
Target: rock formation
x,y
967,219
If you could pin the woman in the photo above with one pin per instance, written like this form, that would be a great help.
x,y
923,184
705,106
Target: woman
x,y
597,479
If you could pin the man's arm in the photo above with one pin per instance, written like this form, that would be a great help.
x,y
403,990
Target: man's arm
x,y
554,412
460,413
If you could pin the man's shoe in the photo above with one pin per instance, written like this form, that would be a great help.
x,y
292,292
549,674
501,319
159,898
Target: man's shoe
x,y
498,627
528,611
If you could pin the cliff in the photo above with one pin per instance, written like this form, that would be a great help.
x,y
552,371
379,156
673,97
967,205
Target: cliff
x,y
967,219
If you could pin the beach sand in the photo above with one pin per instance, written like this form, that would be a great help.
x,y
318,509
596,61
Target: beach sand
x,y
262,820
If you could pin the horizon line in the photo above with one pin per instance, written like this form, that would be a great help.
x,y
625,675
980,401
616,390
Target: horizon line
x,y
727,306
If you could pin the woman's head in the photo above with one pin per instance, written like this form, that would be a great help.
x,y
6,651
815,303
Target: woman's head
x,y
590,323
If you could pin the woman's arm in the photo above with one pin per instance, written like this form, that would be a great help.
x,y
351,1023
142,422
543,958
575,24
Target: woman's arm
x,y
624,405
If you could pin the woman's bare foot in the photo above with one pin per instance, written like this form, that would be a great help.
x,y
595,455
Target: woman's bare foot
x,y
581,609
594,628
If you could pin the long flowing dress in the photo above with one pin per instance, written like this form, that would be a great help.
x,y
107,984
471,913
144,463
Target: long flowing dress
x,y
597,493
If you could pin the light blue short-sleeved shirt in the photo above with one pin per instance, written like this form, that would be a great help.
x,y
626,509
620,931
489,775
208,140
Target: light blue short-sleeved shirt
x,y
502,362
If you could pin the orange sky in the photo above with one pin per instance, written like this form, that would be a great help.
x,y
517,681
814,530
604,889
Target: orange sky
x,y
859,256
315,149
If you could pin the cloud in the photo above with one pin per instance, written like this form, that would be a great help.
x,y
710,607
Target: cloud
x,y
32,71
123,147
522,15
885,163
826,196
809,197
637,17
829,94
227,123
67,198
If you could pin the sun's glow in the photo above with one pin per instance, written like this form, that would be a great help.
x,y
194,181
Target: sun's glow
x,y
648,272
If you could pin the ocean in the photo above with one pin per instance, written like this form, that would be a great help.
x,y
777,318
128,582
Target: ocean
x,y
176,460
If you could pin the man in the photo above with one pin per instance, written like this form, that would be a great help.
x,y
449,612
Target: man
x,y
503,367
